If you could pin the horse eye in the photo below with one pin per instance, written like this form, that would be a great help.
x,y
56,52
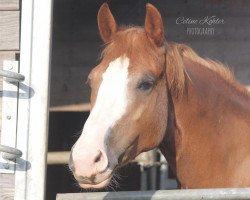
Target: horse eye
x,y
145,85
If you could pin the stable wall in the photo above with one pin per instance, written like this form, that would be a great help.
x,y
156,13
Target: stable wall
x,y
76,48
77,45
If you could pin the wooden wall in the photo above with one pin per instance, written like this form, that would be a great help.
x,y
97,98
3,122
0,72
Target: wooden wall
x,y
9,50
77,45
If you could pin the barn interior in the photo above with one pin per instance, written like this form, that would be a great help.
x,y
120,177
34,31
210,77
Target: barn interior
x,y
76,48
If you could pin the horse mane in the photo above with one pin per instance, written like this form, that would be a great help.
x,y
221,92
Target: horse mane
x,y
176,72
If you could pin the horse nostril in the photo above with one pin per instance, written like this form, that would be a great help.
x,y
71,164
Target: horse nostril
x,y
98,157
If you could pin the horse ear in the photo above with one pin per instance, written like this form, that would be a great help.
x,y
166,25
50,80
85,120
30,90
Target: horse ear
x,y
106,23
154,25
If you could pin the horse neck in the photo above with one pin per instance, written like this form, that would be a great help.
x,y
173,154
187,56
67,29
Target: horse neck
x,y
208,103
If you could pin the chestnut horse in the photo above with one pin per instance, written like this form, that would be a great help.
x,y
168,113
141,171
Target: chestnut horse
x,y
148,93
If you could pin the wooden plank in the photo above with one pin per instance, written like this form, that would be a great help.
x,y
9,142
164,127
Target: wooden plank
x,y
9,30
62,157
8,55
7,186
9,4
85,107
58,157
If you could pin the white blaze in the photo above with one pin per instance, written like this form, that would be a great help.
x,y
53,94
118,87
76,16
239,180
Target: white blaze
x,y
110,106
111,99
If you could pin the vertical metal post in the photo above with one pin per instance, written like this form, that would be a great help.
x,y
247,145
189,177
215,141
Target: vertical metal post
x,y
163,174
153,171
33,99
144,181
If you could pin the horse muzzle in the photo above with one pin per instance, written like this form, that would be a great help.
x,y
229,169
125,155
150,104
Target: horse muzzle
x,y
91,169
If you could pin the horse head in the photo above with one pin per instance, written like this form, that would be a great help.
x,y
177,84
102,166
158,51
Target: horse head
x,y
128,99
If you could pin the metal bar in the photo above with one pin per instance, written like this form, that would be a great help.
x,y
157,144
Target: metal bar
x,y
187,194
143,179
12,76
163,174
10,153
153,171
165,182
32,127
